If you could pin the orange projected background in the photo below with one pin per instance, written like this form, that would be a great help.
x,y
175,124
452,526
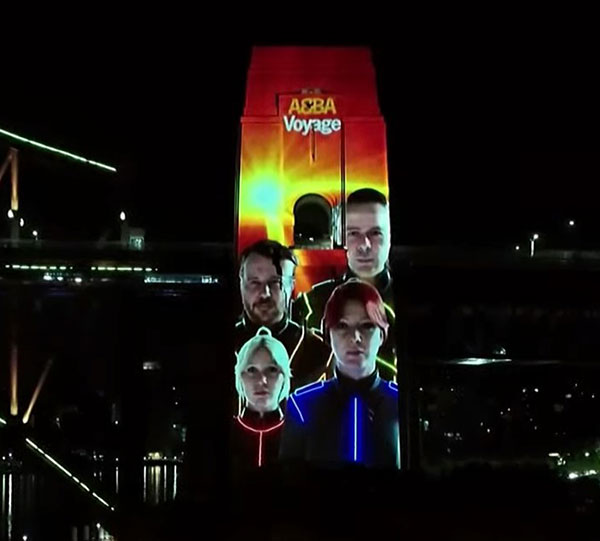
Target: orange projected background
x,y
311,125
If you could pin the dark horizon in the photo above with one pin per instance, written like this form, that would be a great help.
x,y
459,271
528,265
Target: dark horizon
x,y
472,158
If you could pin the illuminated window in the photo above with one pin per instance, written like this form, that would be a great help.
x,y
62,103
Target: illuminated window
x,y
151,365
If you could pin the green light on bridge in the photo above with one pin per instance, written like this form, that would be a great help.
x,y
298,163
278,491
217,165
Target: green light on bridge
x,y
42,146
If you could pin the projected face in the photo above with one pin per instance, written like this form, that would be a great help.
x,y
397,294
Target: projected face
x,y
367,238
266,295
263,381
355,341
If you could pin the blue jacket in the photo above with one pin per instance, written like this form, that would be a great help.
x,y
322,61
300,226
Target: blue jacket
x,y
343,421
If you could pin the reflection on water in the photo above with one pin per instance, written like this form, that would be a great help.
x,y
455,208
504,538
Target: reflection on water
x,y
160,483
90,532
25,497
18,498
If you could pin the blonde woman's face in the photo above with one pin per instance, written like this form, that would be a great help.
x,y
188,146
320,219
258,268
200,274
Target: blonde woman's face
x,y
263,381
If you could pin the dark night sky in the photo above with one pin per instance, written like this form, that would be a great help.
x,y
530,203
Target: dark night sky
x,y
485,144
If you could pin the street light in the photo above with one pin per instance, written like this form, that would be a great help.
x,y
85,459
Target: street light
x,y
571,223
122,216
10,214
534,237
35,233
517,247
22,222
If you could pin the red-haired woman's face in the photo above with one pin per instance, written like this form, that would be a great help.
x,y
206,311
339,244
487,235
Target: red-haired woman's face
x,y
355,341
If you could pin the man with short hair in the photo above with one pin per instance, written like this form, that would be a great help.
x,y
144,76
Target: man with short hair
x,y
368,242
266,285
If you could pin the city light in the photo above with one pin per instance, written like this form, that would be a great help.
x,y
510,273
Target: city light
x,y
67,473
14,362
478,361
182,279
37,391
56,150
534,237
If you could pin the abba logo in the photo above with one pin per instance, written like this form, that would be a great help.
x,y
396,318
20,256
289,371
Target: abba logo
x,y
312,106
